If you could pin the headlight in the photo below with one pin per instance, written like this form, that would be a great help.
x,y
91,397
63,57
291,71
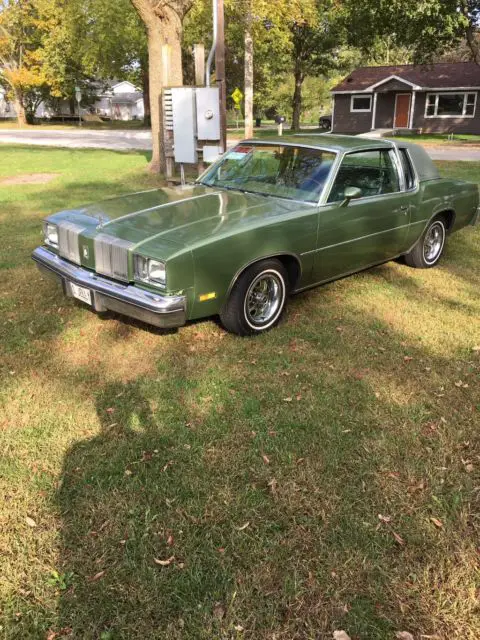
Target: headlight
x,y
149,270
50,234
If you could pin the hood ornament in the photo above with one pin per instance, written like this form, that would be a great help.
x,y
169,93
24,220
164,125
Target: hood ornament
x,y
101,222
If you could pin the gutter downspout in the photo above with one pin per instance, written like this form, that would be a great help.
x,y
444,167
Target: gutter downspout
x,y
214,44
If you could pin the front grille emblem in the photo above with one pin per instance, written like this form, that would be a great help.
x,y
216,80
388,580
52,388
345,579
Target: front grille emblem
x,y
85,252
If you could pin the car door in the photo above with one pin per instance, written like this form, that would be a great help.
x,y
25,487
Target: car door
x,y
369,229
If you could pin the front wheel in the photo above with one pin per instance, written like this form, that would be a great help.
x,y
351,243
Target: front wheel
x,y
257,299
428,250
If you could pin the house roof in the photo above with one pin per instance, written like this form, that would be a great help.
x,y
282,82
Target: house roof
x,y
442,75
132,97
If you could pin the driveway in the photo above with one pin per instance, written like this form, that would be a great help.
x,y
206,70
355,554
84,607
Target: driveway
x,y
129,140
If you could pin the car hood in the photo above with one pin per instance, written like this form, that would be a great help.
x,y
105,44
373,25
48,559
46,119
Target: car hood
x,y
182,216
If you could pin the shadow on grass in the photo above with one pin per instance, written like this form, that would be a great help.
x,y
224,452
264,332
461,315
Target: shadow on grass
x,y
265,512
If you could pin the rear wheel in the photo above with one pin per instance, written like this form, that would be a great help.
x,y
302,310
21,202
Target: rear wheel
x,y
257,299
428,250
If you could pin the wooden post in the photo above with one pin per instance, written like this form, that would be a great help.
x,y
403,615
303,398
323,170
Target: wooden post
x,y
199,61
220,73
166,62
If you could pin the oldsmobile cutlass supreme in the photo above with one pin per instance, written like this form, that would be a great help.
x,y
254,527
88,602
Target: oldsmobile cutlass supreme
x,y
268,219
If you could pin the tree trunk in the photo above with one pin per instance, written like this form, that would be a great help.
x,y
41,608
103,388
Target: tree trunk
x,y
19,108
164,26
155,43
297,99
248,74
147,119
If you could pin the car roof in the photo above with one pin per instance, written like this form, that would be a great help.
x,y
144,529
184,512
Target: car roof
x,y
327,141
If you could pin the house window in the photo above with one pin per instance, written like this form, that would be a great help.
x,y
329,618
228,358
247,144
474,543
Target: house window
x,y
450,105
361,103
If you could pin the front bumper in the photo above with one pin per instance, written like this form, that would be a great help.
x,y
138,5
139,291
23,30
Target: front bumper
x,y
109,295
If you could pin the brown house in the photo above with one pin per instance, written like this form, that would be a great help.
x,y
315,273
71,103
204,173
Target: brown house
x,y
435,98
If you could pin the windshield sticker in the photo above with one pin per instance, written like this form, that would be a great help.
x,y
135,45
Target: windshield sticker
x,y
238,153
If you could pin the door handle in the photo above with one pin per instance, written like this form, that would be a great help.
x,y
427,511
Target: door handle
x,y
404,208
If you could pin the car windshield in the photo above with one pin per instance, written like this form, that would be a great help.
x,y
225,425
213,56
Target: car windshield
x,y
284,171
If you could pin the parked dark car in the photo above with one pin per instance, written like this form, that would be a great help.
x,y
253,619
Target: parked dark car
x,y
325,122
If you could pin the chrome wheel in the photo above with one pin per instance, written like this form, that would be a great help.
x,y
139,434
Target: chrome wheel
x,y
264,299
433,242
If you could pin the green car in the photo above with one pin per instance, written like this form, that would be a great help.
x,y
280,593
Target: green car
x,y
267,220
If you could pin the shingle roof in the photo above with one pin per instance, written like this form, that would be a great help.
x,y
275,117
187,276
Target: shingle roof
x,y
438,75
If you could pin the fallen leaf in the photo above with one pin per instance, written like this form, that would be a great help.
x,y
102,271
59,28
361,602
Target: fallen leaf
x,y
128,472
341,635
218,611
289,399
164,563
438,523
398,538
459,383
170,540
244,526
110,410
273,485
238,627
96,577
404,635
385,519
266,459
469,467
407,358
221,550
30,521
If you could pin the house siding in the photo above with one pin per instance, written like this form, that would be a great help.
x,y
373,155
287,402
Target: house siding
x,y
444,125
347,122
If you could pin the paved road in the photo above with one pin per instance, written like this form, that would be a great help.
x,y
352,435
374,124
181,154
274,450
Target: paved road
x,y
126,140
81,138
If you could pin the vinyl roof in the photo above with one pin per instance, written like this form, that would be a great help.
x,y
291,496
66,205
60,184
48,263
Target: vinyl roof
x,y
326,141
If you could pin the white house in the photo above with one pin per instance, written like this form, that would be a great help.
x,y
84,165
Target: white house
x,y
122,101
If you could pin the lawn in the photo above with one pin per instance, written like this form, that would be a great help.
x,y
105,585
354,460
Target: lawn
x,y
195,485
441,138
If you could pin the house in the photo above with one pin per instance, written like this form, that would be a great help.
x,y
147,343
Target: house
x,y
434,98
120,101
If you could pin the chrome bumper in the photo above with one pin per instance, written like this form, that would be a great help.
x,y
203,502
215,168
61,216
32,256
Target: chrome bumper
x,y
152,308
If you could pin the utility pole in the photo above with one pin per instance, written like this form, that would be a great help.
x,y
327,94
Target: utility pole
x,y
220,72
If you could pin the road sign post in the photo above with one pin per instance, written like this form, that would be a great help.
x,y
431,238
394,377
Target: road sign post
x,y
78,97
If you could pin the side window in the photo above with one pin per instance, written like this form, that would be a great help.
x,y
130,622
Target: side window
x,y
373,172
407,169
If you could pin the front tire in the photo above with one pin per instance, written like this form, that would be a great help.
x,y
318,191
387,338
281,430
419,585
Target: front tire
x,y
257,299
428,250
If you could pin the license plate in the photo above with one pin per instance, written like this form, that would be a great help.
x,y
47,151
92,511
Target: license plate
x,y
81,293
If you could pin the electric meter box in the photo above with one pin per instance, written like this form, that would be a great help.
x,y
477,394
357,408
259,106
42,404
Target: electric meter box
x,y
191,116
208,113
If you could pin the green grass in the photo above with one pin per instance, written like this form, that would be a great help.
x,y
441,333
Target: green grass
x,y
261,465
108,125
441,138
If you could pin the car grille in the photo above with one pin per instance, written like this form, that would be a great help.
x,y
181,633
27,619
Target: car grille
x,y
111,256
68,246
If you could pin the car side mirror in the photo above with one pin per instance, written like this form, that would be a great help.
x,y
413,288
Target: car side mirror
x,y
351,193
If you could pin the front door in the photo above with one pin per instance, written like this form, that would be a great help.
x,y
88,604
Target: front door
x,y
370,229
402,110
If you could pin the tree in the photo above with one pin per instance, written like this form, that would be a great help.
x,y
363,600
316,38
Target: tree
x,y
21,32
110,42
163,21
315,42
428,29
